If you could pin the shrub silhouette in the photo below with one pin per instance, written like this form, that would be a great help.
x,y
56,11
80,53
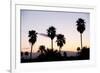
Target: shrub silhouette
x,y
26,53
85,53
78,50
50,55
42,49
22,53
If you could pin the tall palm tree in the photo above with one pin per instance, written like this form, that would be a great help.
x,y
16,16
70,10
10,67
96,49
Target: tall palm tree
x,y
60,41
80,28
32,39
51,33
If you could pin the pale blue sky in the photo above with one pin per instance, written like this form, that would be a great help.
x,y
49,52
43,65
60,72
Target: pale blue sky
x,y
64,22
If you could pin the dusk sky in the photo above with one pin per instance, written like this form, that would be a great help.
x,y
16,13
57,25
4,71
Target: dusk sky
x,y
64,22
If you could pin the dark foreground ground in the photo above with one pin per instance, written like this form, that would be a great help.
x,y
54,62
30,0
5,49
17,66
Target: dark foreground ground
x,y
52,55
52,59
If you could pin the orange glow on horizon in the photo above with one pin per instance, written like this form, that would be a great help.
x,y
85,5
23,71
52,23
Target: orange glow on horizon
x,y
69,46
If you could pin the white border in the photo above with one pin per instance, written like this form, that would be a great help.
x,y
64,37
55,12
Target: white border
x,y
16,66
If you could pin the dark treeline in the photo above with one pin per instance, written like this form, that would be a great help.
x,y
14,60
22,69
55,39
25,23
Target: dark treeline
x,y
55,55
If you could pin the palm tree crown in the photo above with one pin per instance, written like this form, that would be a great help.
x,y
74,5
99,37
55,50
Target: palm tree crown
x,y
80,25
60,40
41,49
51,33
33,36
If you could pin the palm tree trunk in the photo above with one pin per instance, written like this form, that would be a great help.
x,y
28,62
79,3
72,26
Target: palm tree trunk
x,y
31,52
59,49
51,44
81,39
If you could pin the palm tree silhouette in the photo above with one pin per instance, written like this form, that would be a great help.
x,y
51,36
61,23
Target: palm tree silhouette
x,y
41,49
84,53
60,41
51,33
80,27
32,39
78,50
